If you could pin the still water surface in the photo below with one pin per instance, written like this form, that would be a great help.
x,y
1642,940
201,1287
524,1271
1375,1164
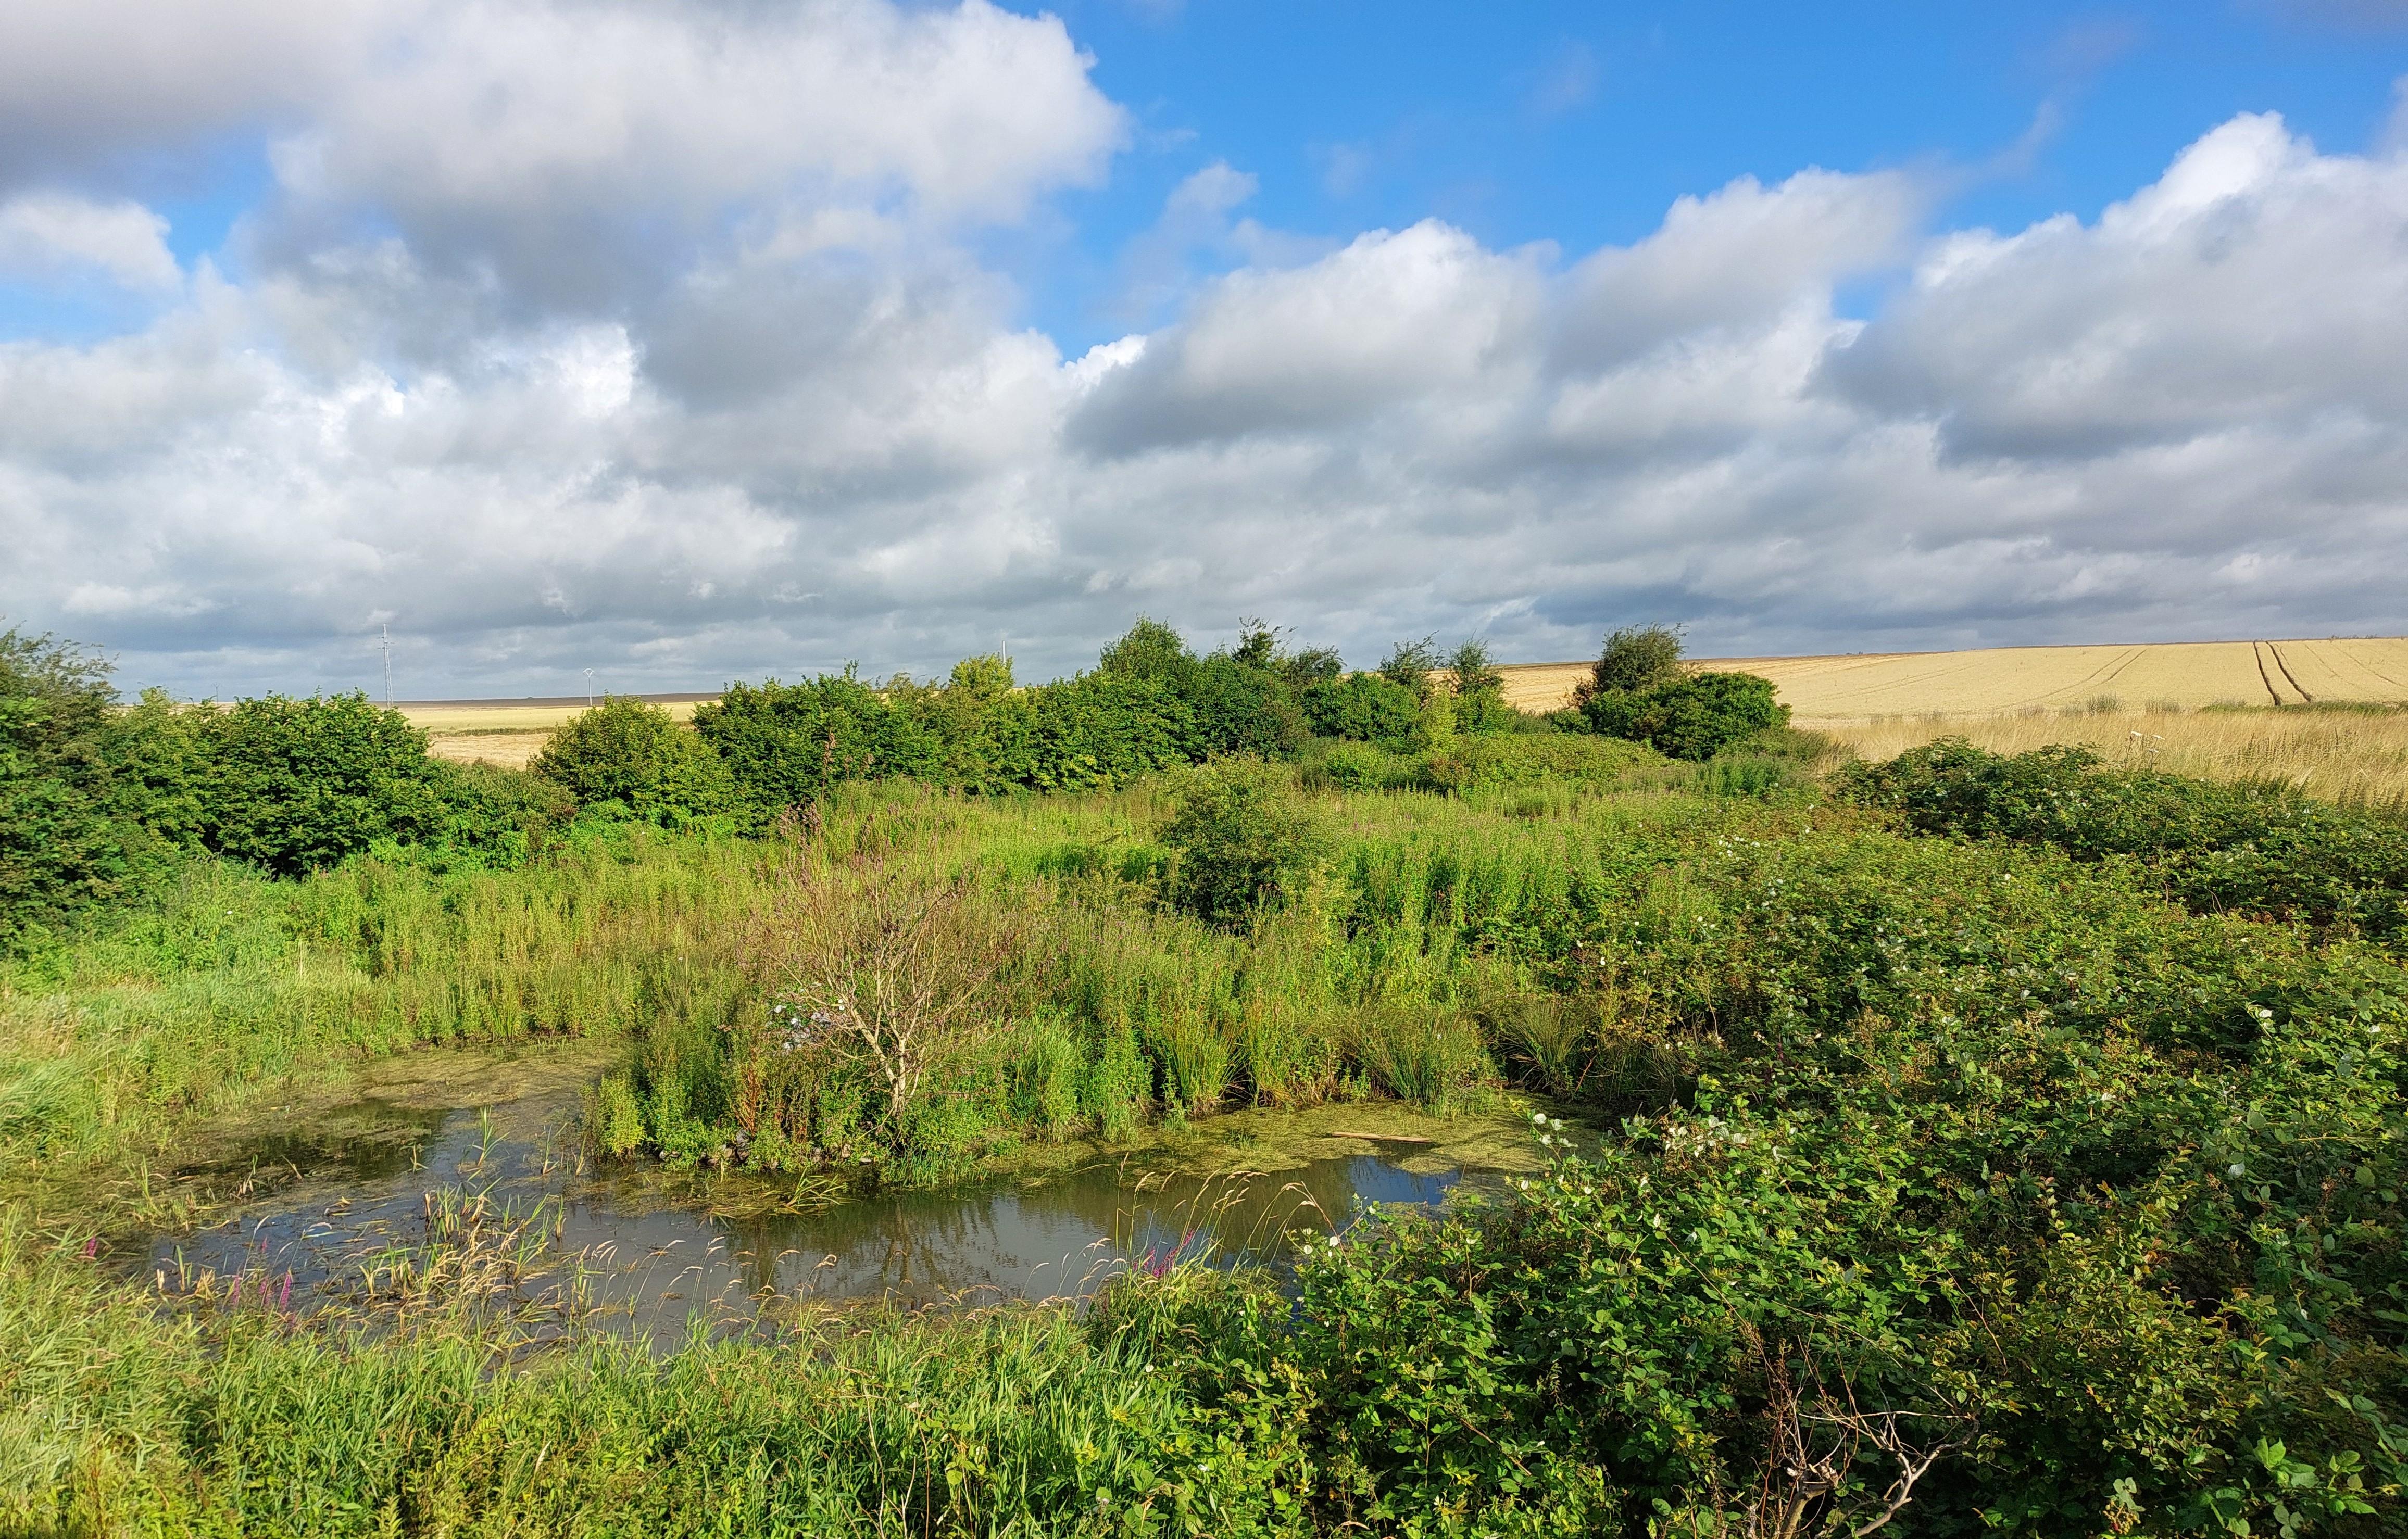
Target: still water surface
x,y
379,1206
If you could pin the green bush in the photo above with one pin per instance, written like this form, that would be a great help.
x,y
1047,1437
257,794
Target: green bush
x,y
1695,717
2214,846
93,799
1636,660
1409,663
635,754
1363,709
785,745
1243,843
302,785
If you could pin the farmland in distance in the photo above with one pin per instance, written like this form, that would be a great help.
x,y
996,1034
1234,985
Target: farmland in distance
x,y
1865,687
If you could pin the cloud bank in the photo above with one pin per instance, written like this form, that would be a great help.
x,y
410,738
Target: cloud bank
x,y
651,338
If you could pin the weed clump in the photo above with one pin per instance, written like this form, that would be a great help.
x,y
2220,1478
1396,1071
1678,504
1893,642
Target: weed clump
x,y
1245,845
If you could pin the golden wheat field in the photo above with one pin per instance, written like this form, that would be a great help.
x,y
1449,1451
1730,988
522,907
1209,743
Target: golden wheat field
x,y
2301,712
1822,691
498,732
2357,757
2229,709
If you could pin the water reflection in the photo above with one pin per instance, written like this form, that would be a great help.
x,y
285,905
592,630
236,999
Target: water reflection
x,y
383,1206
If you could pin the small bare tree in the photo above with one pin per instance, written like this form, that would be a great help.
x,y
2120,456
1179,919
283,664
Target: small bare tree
x,y
1808,1482
892,967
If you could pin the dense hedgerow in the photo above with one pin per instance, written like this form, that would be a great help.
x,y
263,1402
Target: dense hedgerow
x,y
1638,691
100,803
102,800
2214,846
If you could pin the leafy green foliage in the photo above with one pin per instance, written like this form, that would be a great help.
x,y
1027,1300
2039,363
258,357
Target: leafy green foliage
x,y
1363,709
1150,650
1409,663
635,754
1636,659
92,799
785,745
2214,846
297,786
1693,716
1245,844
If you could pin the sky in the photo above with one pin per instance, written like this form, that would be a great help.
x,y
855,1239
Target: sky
x,y
694,340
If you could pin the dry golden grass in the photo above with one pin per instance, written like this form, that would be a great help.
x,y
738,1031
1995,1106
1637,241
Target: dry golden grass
x,y
2358,758
1822,691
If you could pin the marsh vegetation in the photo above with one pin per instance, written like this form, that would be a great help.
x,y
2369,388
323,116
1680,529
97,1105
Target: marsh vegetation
x,y
1966,1144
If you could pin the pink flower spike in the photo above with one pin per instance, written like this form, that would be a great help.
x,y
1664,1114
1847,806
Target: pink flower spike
x,y
91,1247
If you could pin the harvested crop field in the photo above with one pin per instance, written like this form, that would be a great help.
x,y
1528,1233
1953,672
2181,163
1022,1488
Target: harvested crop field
x,y
508,732
1866,686
2354,755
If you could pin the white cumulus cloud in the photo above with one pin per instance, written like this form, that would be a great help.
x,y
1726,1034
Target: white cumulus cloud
x,y
652,337
46,235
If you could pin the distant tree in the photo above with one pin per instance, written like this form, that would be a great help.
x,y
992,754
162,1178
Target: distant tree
x,y
1311,665
1150,650
1479,704
985,677
1636,658
1260,644
629,751
1474,671
1410,664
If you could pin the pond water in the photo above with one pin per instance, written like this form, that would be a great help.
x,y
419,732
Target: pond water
x,y
377,1209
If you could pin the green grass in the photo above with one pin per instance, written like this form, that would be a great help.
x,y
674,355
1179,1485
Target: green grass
x,y
111,1046
115,1419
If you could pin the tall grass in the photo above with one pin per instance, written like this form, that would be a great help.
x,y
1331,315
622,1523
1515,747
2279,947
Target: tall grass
x,y
1111,1010
233,979
119,1419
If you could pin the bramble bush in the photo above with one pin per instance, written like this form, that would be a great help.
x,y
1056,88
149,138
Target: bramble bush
x,y
1638,691
1695,717
2262,850
1363,709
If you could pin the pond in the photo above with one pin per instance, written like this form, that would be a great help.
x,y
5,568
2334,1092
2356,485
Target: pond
x,y
379,1209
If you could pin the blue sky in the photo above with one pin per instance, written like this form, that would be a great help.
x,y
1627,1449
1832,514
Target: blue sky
x,y
702,339
1580,124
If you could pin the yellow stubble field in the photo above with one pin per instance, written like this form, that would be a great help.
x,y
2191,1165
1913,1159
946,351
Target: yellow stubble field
x,y
502,733
2310,713
2223,710
1822,691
